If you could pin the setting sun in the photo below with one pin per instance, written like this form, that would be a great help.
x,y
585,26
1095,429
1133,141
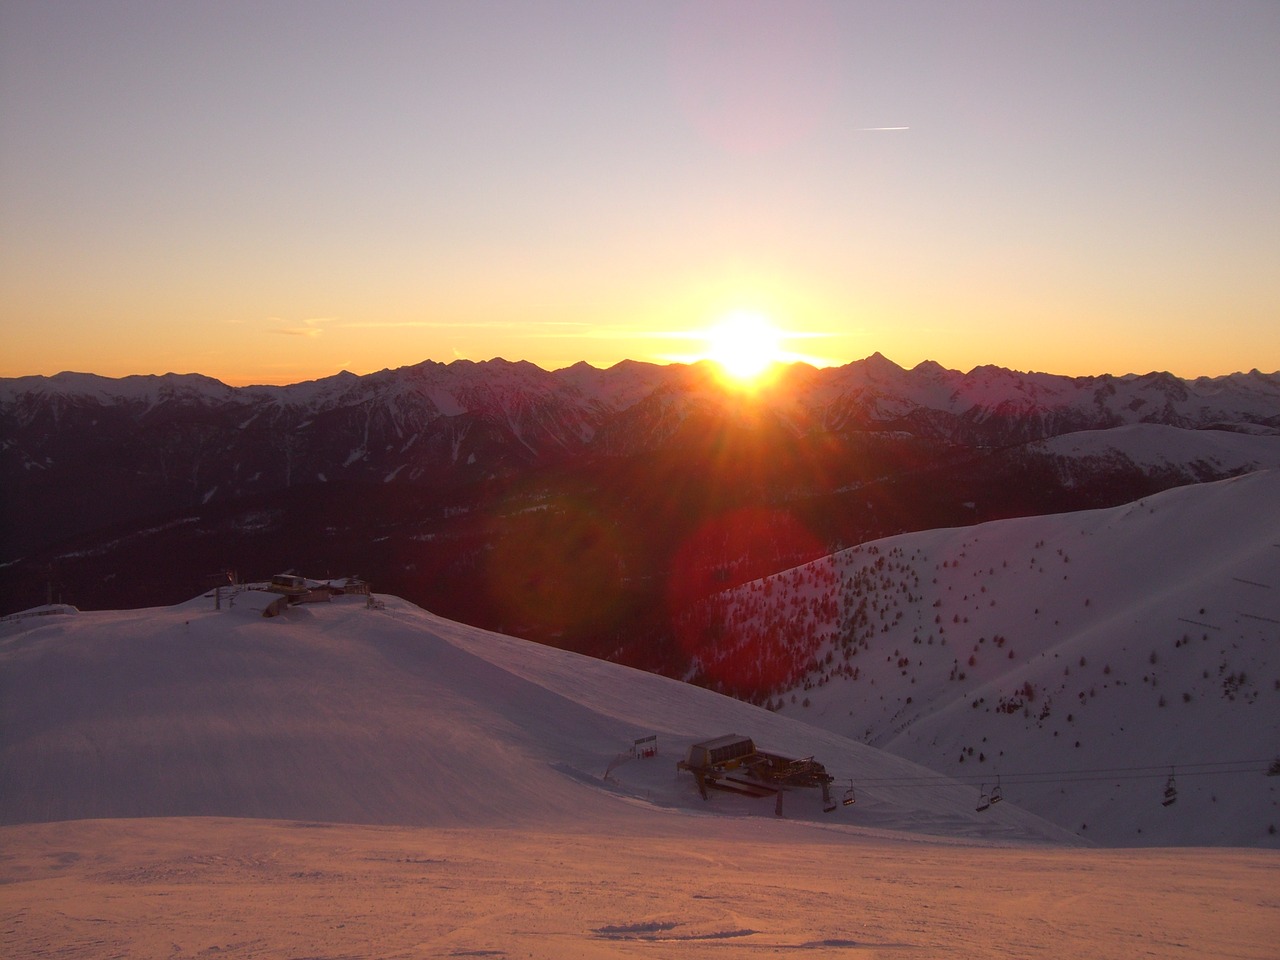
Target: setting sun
x,y
744,345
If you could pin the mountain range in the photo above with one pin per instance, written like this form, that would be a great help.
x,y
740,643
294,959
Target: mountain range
x,y
429,479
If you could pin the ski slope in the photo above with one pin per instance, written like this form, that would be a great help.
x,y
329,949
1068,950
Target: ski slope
x,y
342,781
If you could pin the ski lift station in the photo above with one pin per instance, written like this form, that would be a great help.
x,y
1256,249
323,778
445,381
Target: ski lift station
x,y
735,764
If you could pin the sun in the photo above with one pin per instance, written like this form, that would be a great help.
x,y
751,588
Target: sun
x,y
744,346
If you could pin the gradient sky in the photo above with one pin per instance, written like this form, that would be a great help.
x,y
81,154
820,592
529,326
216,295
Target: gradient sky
x,y
269,192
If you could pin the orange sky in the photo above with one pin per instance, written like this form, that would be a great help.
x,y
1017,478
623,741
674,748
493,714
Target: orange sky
x,y
239,190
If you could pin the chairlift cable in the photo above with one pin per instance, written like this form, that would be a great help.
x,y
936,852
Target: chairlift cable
x,y
1208,768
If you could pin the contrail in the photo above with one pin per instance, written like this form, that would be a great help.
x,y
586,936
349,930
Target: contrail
x,y
875,129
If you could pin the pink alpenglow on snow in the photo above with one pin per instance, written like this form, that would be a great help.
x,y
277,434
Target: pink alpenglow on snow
x,y
348,780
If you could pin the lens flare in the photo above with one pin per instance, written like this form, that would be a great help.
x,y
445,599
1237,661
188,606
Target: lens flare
x,y
736,547
556,567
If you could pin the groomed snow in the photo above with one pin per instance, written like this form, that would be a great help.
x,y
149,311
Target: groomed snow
x,y
674,887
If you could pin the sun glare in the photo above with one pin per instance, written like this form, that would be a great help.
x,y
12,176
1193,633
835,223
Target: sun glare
x,y
744,346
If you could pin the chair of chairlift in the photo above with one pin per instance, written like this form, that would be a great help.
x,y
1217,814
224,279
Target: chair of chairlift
x,y
845,801
984,800
996,795
1170,792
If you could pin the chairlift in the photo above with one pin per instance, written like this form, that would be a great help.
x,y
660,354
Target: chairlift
x,y
1170,792
996,795
984,800
845,801
1274,769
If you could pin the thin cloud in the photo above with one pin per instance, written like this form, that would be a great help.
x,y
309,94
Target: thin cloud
x,y
311,327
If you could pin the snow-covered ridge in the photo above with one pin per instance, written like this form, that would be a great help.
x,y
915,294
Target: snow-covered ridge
x,y
1102,651
883,388
148,388
1155,447
342,712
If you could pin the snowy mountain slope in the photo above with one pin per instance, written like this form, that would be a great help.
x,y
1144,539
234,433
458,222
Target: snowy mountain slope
x,y
24,393
1081,658
531,836
1190,456
995,406
565,407
339,713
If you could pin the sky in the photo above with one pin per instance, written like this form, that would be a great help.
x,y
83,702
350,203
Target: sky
x,y
270,192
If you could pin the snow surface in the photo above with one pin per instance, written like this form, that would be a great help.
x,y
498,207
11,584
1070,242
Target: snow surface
x,y
347,781
657,887
341,713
